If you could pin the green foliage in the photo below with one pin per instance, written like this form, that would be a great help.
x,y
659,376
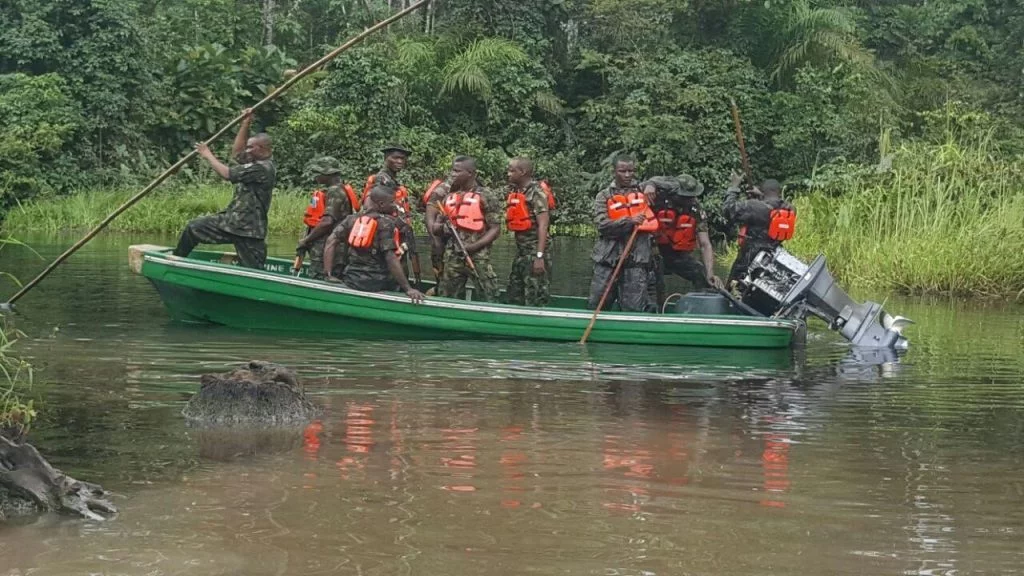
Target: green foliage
x,y
16,414
41,118
945,218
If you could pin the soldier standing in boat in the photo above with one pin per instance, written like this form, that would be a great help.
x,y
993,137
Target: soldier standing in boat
x,y
765,221
473,212
618,210
527,216
244,222
682,228
327,208
370,247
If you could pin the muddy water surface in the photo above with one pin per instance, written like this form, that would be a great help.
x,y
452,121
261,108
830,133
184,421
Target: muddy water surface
x,y
461,458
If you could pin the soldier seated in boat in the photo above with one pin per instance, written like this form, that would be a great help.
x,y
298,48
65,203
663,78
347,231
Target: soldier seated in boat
x,y
244,222
766,221
329,205
370,247
682,228
527,216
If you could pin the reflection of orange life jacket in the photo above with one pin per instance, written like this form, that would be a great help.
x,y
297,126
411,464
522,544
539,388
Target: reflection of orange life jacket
x,y
318,205
465,211
363,232
783,224
629,205
430,191
679,231
401,195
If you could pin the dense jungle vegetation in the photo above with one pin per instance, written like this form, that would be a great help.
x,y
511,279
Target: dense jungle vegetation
x,y
874,113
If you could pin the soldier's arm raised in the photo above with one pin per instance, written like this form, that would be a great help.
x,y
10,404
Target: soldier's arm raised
x,y
243,134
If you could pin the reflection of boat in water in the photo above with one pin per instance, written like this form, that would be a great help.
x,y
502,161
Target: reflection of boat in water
x,y
206,287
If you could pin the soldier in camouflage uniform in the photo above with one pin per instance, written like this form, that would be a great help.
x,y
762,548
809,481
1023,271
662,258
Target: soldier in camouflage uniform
x,y
430,211
526,210
395,158
630,288
754,214
376,267
671,198
327,172
244,222
477,243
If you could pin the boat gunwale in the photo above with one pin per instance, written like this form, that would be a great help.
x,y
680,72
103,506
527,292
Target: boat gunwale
x,y
447,303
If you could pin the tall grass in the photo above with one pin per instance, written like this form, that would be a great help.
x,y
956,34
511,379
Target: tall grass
x,y
945,218
165,210
15,378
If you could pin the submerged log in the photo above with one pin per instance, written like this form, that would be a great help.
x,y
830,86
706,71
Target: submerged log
x,y
257,393
29,485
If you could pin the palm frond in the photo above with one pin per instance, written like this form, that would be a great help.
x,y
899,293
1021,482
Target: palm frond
x,y
548,102
468,71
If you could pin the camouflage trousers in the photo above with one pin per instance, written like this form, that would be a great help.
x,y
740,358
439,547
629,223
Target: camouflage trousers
x,y
457,273
252,252
682,264
525,288
630,289
315,257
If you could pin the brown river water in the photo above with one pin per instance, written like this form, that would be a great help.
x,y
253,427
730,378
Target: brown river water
x,y
493,458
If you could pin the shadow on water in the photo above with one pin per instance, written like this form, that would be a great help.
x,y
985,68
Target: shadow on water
x,y
460,458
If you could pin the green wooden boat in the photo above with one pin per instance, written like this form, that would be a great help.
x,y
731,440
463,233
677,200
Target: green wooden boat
x,y
209,287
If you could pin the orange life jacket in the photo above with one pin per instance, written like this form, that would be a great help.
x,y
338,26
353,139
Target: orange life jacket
x,y
401,195
629,205
677,230
430,191
742,238
517,212
363,232
465,211
551,195
783,224
318,205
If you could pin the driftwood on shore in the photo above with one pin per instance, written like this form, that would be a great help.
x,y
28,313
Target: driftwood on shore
x,y
256,393
29,485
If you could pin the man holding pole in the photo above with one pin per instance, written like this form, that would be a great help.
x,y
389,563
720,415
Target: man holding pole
x,y
244,222
623,219
469,219
766,220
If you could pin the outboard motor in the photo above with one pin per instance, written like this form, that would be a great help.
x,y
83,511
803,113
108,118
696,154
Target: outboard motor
x,y
778,284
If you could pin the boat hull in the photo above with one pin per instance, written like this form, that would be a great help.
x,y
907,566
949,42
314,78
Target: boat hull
x,y
199,290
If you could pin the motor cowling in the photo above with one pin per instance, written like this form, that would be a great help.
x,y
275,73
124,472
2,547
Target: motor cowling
x,y
780,285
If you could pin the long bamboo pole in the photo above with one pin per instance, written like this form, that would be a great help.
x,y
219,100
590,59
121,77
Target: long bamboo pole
x,y
177,165
611,282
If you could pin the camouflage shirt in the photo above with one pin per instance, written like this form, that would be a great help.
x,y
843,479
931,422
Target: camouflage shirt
x,y
246,215
367,268
491,208
338,203
613,234
536,203
754,213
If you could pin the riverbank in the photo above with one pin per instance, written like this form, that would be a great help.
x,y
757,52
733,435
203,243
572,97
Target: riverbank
x,y
936,219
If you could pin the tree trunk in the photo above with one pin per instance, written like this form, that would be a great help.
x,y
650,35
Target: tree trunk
x,y
268,22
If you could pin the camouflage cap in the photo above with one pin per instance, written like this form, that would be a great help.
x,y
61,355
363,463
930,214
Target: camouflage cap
x,y
689,187
396,148
323,166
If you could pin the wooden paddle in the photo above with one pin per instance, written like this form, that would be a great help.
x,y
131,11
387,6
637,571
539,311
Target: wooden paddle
x,y
177,165
611,282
